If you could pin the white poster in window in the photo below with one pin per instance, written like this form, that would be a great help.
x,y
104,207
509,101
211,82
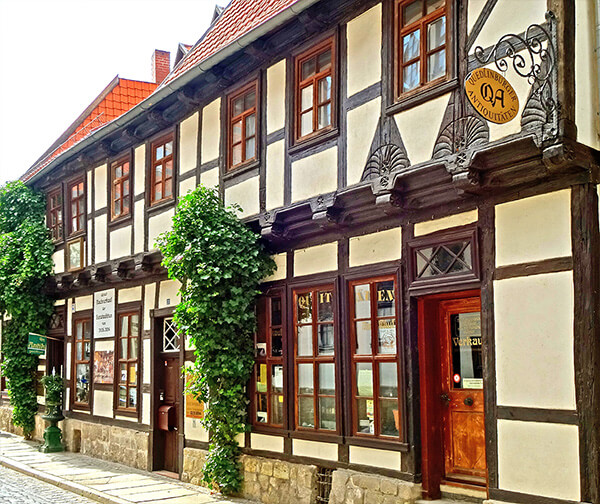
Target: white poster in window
x,y
104,314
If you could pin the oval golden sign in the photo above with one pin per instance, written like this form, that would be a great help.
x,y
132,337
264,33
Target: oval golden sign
x,y
492,95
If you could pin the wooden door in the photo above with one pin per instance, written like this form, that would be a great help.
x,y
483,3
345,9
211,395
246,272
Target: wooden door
x,y
166,448
462,391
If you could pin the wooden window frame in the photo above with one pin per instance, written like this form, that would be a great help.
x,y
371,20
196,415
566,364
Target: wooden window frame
x,y
314,51
82,198
315,359
76,241
119,182
53,210
81,319
241,92
375,358
421,24
265,327
130,360
154,144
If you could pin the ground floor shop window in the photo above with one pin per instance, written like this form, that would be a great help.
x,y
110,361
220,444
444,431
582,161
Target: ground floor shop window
x,y
82,349
128,348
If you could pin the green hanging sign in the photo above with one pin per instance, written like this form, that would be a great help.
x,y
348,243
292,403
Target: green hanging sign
x,y
36,344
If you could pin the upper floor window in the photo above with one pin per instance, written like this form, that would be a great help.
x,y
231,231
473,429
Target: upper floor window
x,y
120,194
76,206
421,43
55,218
314,90
242,126
162,170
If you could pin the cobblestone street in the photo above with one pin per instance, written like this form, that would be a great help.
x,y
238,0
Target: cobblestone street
x,y
17,488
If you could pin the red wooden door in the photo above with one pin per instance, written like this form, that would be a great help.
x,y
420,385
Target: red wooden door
x,y
462,391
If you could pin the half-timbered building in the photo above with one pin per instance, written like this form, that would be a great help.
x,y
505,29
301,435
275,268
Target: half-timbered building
x,y
425,174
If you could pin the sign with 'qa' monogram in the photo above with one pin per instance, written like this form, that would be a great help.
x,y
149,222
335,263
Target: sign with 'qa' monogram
x,y
492,95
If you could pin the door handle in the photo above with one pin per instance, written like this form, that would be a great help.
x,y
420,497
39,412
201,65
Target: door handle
x,y
446,399
469,401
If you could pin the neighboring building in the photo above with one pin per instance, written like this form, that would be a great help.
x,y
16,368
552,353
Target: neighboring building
x,y
431,326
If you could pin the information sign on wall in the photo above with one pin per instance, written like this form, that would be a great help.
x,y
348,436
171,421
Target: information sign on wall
x,y
104,314
492,95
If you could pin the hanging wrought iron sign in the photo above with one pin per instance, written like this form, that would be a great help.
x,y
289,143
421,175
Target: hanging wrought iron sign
x,y
491,95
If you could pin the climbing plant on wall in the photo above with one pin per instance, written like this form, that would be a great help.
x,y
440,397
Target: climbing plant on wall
x,y
25,264
220,264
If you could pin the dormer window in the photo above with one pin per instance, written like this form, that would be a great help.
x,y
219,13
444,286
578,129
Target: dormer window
x,y
421,41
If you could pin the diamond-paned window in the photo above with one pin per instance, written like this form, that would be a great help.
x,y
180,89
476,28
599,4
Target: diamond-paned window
x,y
171,339
447,257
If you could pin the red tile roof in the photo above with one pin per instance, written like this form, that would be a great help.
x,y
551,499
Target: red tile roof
x,y
238,18
123,95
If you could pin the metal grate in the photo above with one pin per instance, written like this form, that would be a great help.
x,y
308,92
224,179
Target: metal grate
x,y
324,475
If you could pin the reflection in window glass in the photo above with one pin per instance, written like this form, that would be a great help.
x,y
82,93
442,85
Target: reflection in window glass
x,y
467,360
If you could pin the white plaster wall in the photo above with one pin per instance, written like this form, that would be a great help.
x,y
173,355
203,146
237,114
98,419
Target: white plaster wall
x,y
187,185
120,242
69,317
104,345
211,131
146,409
89,243
431,226
276,97
316,259
100,186
103,403
364,50
147,356
68,364
59,261
539,459
158,224
100,238
267,443
503,20
375,458
314,449
210,178
139,164
126,418
58,302
281,265
188,143
194,431
130,295
149,300
89,177
419,127
169,293
362,124
244,194
533,229
534,316
138,227
473,10
84,303
275,174
376,247
586,74
313,175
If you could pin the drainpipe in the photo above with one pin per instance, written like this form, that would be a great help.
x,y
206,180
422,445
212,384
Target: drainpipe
x,y
597,51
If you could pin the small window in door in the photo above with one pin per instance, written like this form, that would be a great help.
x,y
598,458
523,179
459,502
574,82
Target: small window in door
x,y
467,360
171,340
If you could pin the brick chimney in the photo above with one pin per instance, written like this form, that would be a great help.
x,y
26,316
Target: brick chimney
x,y
161,65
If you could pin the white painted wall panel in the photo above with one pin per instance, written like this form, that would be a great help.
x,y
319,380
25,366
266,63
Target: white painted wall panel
x,y
84,303
313,175
158,224
316,259
138,227
210,178
533,229
275,174
169,293
186,186
100,244
376,247
431,226
100,186
281,268
362,124
244,194
211,131
130,295
539,459
276,97
59,261
140,169
188,143
103,403
267,443
375,458
120,242
364,50
314,449
534,317
146,409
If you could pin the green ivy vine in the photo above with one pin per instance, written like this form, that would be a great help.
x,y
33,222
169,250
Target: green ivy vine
x,y
220,264
25,264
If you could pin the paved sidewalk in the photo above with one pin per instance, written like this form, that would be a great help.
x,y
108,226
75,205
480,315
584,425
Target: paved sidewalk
x,y
100,480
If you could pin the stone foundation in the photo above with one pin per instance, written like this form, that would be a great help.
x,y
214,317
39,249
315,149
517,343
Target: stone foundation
x,y
352,487
6,424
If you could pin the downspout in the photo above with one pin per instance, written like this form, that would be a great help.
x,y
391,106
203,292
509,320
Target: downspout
x,y
597,51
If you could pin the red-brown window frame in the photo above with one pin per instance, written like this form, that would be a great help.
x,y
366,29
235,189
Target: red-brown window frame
x,y
129,360
242,92
79,199
162,161
420,24
315,51
119,182
81,320
374,358
315,359
56,230
265,328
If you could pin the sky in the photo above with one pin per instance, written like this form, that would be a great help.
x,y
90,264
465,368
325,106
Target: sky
x,y
56,56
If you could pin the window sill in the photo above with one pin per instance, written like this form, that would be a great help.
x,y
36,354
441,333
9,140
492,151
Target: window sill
x,y
243,168
422,96
74,236
161,205
119,220
126,413
377,443
317,139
